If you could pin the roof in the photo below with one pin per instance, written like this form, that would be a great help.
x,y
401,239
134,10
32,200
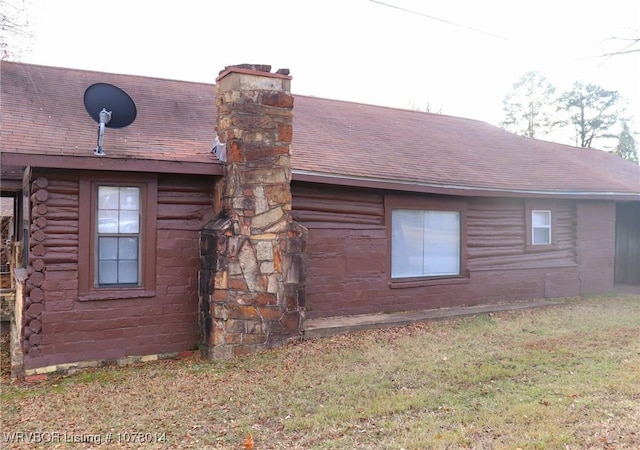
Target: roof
x,y
334,142
43,114
412,150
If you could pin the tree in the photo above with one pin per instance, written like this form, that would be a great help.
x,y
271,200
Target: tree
x,y
427,108
528,109
15,33
626,147
591,110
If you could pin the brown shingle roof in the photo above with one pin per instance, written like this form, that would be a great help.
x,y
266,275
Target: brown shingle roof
x,y
43,113
334,141
416,148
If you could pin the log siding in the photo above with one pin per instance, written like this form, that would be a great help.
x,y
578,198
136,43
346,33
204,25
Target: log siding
x,y
348,262
59,328
497,235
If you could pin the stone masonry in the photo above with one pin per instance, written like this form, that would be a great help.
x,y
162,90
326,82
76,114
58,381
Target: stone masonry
x,y
252,254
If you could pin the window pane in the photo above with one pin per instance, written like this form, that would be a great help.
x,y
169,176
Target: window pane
x,y
542,236
406,248
128,248
108,221
128,271
129,222
442,243
108,197
107,248
540,218
108,272
130,198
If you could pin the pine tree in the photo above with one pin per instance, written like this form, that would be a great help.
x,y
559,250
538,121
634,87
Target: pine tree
x,y
591,110
528,108
626,147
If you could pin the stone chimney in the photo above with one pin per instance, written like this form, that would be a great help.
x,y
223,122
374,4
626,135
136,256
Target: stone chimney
x,y
252,254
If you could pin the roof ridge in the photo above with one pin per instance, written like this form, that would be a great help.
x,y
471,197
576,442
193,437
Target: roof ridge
x,y
93,71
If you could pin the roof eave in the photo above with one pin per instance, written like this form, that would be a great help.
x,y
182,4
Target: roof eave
x,y
214,167
459,190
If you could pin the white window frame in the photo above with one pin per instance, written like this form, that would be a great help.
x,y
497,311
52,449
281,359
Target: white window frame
x,y
120,232
546,226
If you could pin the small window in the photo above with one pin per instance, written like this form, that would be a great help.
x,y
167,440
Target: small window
x,y
540,227
425,243
118,236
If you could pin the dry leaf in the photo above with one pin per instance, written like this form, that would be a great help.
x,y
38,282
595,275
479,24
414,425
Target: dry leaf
x,y
248,442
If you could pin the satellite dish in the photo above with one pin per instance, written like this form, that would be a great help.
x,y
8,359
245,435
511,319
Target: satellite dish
x,y
111,107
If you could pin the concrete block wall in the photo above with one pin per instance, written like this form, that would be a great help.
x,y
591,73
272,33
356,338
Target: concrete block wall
x,y
596,237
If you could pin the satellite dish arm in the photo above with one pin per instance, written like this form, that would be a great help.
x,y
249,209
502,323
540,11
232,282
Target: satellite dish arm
x,y
105,117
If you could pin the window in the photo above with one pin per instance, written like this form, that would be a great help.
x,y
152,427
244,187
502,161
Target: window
x,y
117,237
425,243
540,227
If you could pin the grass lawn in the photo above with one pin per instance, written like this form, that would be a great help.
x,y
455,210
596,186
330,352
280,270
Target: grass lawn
x,y
565,377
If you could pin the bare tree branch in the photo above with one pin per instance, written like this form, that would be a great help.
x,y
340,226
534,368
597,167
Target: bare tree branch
x,y
15,29
632,41
621,52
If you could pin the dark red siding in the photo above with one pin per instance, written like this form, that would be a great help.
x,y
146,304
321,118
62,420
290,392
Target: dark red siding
x,y
627,267
596,246
348,262
69,330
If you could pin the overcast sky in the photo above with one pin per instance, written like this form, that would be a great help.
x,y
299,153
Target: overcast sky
x,y
457,56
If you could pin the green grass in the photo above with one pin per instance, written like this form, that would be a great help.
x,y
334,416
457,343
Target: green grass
x,y
561,377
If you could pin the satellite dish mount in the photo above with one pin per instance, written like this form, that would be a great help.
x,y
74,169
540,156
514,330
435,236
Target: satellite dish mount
x,y
105,117
111,107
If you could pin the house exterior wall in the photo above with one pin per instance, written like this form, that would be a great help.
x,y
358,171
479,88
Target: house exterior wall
x,y
61,324
627,265
348,263
596,246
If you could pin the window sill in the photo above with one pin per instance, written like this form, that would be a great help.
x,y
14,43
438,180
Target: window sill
x,y
115,295
540,248
413,282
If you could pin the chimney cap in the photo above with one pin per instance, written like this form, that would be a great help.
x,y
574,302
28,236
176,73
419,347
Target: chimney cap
x,y
256,67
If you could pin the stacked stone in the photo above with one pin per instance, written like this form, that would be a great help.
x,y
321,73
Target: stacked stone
x,y
34,300
257,275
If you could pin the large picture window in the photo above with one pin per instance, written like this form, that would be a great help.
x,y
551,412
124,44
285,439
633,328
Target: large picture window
x,y
425,243
118,236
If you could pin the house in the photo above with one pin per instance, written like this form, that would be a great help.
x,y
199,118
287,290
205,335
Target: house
x,y
308,208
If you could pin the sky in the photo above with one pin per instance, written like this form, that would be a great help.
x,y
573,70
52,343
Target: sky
x,y
457,57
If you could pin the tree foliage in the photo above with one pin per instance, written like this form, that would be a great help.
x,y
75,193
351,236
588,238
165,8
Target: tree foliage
x,y
15,31
528,108
626,147
591,110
